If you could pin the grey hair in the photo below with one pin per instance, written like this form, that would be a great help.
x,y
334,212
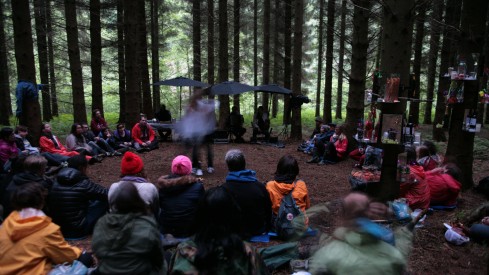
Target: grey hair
x,y
233,154
235,160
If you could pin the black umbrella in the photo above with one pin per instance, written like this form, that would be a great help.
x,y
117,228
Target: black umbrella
x,y
229,88
180,82
273,88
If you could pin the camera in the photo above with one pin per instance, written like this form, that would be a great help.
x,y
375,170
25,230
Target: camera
x,y
297,101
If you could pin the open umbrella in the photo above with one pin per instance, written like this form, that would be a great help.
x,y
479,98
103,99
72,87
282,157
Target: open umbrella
x,y
180,82
273,88
229,88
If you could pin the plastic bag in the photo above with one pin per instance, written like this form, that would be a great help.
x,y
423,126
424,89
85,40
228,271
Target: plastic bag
x,y
76,268
401,209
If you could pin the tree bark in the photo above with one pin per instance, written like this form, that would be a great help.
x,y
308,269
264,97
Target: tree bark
x,y
236,58
320,57
52,74
266,51
418,50
24,57
210,42
296,128
143,61
287,58
79,110
42,52
5,100
276,55
223,61
196,38
133,93
121,61
155,61
96,55
341,53
328,77
255,52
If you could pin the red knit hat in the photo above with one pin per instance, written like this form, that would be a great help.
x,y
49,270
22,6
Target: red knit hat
x,y
131,164
181,165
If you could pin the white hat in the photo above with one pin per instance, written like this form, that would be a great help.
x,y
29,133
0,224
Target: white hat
x,y
453,237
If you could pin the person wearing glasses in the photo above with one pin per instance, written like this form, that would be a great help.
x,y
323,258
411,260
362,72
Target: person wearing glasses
x,y
122,137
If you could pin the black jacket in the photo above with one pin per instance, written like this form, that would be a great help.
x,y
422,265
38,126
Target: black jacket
x,y
69,200
179,197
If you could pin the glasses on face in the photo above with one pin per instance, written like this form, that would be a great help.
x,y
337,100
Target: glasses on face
x,y
85,127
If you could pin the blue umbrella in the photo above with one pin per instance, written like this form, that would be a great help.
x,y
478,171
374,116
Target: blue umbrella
x,y
229,88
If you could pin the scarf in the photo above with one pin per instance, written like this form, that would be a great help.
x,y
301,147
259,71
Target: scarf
x,y
243,175
133,179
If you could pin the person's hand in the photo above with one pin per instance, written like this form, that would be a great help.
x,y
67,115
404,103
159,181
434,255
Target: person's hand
x,y
97,138
377,211
25,152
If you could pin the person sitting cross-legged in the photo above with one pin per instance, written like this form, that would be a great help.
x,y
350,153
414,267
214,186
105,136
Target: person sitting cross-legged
x,y
122,138
96,142
234,124
250,194
144,136
261,124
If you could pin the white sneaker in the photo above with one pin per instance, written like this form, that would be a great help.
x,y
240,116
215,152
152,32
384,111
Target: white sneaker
x,y
199,172
210,170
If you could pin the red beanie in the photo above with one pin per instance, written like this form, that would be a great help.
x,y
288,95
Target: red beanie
x,y
131,164
181,165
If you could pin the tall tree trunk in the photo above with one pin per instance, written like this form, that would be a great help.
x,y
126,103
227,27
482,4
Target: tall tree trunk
x,y
210,42
79,110
121,61
96,55
24,57
266,51
287,58
42,52
320,57
143,61
341,53
328,77
471,41
223,72
437,7
276,56
5,100
236,63
52,74
133,93
485,76
196,38
155,61
418,50
255,52
296,128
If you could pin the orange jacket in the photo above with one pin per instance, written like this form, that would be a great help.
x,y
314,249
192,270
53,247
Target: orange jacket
x,y
278,190
30,245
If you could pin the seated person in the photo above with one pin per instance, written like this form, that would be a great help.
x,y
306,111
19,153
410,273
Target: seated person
x,y
106,136
433,152
98,122
75,141
286,181
217,247
308,145
144,136
122,137
96,142
332,151
250,194
79,202
127,240
8,148
179,193
358,154
261,124
164,116
361,246
415,188
30,243
234,124
478,220
444,184
424,158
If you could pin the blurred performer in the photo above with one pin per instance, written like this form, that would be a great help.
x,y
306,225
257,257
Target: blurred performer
x,y
196,128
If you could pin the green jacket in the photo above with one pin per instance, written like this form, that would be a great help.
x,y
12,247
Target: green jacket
x,y
128,244
351,252
183,262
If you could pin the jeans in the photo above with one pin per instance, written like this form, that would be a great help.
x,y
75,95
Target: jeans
x,y
96,209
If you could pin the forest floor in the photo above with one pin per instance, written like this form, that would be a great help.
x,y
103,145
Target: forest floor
x,y
327,185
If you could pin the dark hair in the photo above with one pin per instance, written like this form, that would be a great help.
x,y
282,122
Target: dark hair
x,y
423,151
31,194
411,156
219,224
453,170
431,147
20,128
73,128
287,168
43,125
35,164
77,162
17,164
235,160
127,200
5,133
94,112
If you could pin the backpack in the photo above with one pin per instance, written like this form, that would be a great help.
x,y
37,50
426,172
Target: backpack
x,y
290,222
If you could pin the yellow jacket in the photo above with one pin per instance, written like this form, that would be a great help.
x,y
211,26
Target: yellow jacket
x,y
278,190
30,245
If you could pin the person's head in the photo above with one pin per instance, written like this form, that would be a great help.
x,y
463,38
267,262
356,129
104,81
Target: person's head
x,y
46,128
131,164
260,109
196,96
410,155
431,147
30,195
85,127
355,205
324,128
318,120
22,131
126,199
235,160
7,134
96,113
76,129
162,107
340,129
121,127
287,166
453,170
332,127
78,162
181,166
35,164
422,151
234,110
17,164
143,121
105,131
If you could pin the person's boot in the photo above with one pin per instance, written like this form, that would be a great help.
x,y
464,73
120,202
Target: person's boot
x,y
313,160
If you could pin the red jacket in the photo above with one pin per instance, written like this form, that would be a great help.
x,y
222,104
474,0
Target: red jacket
x,y
444,189
416,190
47,145
136,133
96,127
341,145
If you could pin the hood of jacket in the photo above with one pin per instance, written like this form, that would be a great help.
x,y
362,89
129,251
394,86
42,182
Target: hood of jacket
x,y
282,188
170,181
26,177
69,176
18,228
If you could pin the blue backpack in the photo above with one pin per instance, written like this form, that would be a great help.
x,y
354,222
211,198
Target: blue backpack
x,y
290,223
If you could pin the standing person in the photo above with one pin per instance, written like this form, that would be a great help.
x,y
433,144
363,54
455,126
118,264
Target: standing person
x,y
250,194
127,240
122,137
261,124
98,122
79,202
197,127
235,124
179,193
217,247
163,115
144,136
29,242
132,170
8,148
